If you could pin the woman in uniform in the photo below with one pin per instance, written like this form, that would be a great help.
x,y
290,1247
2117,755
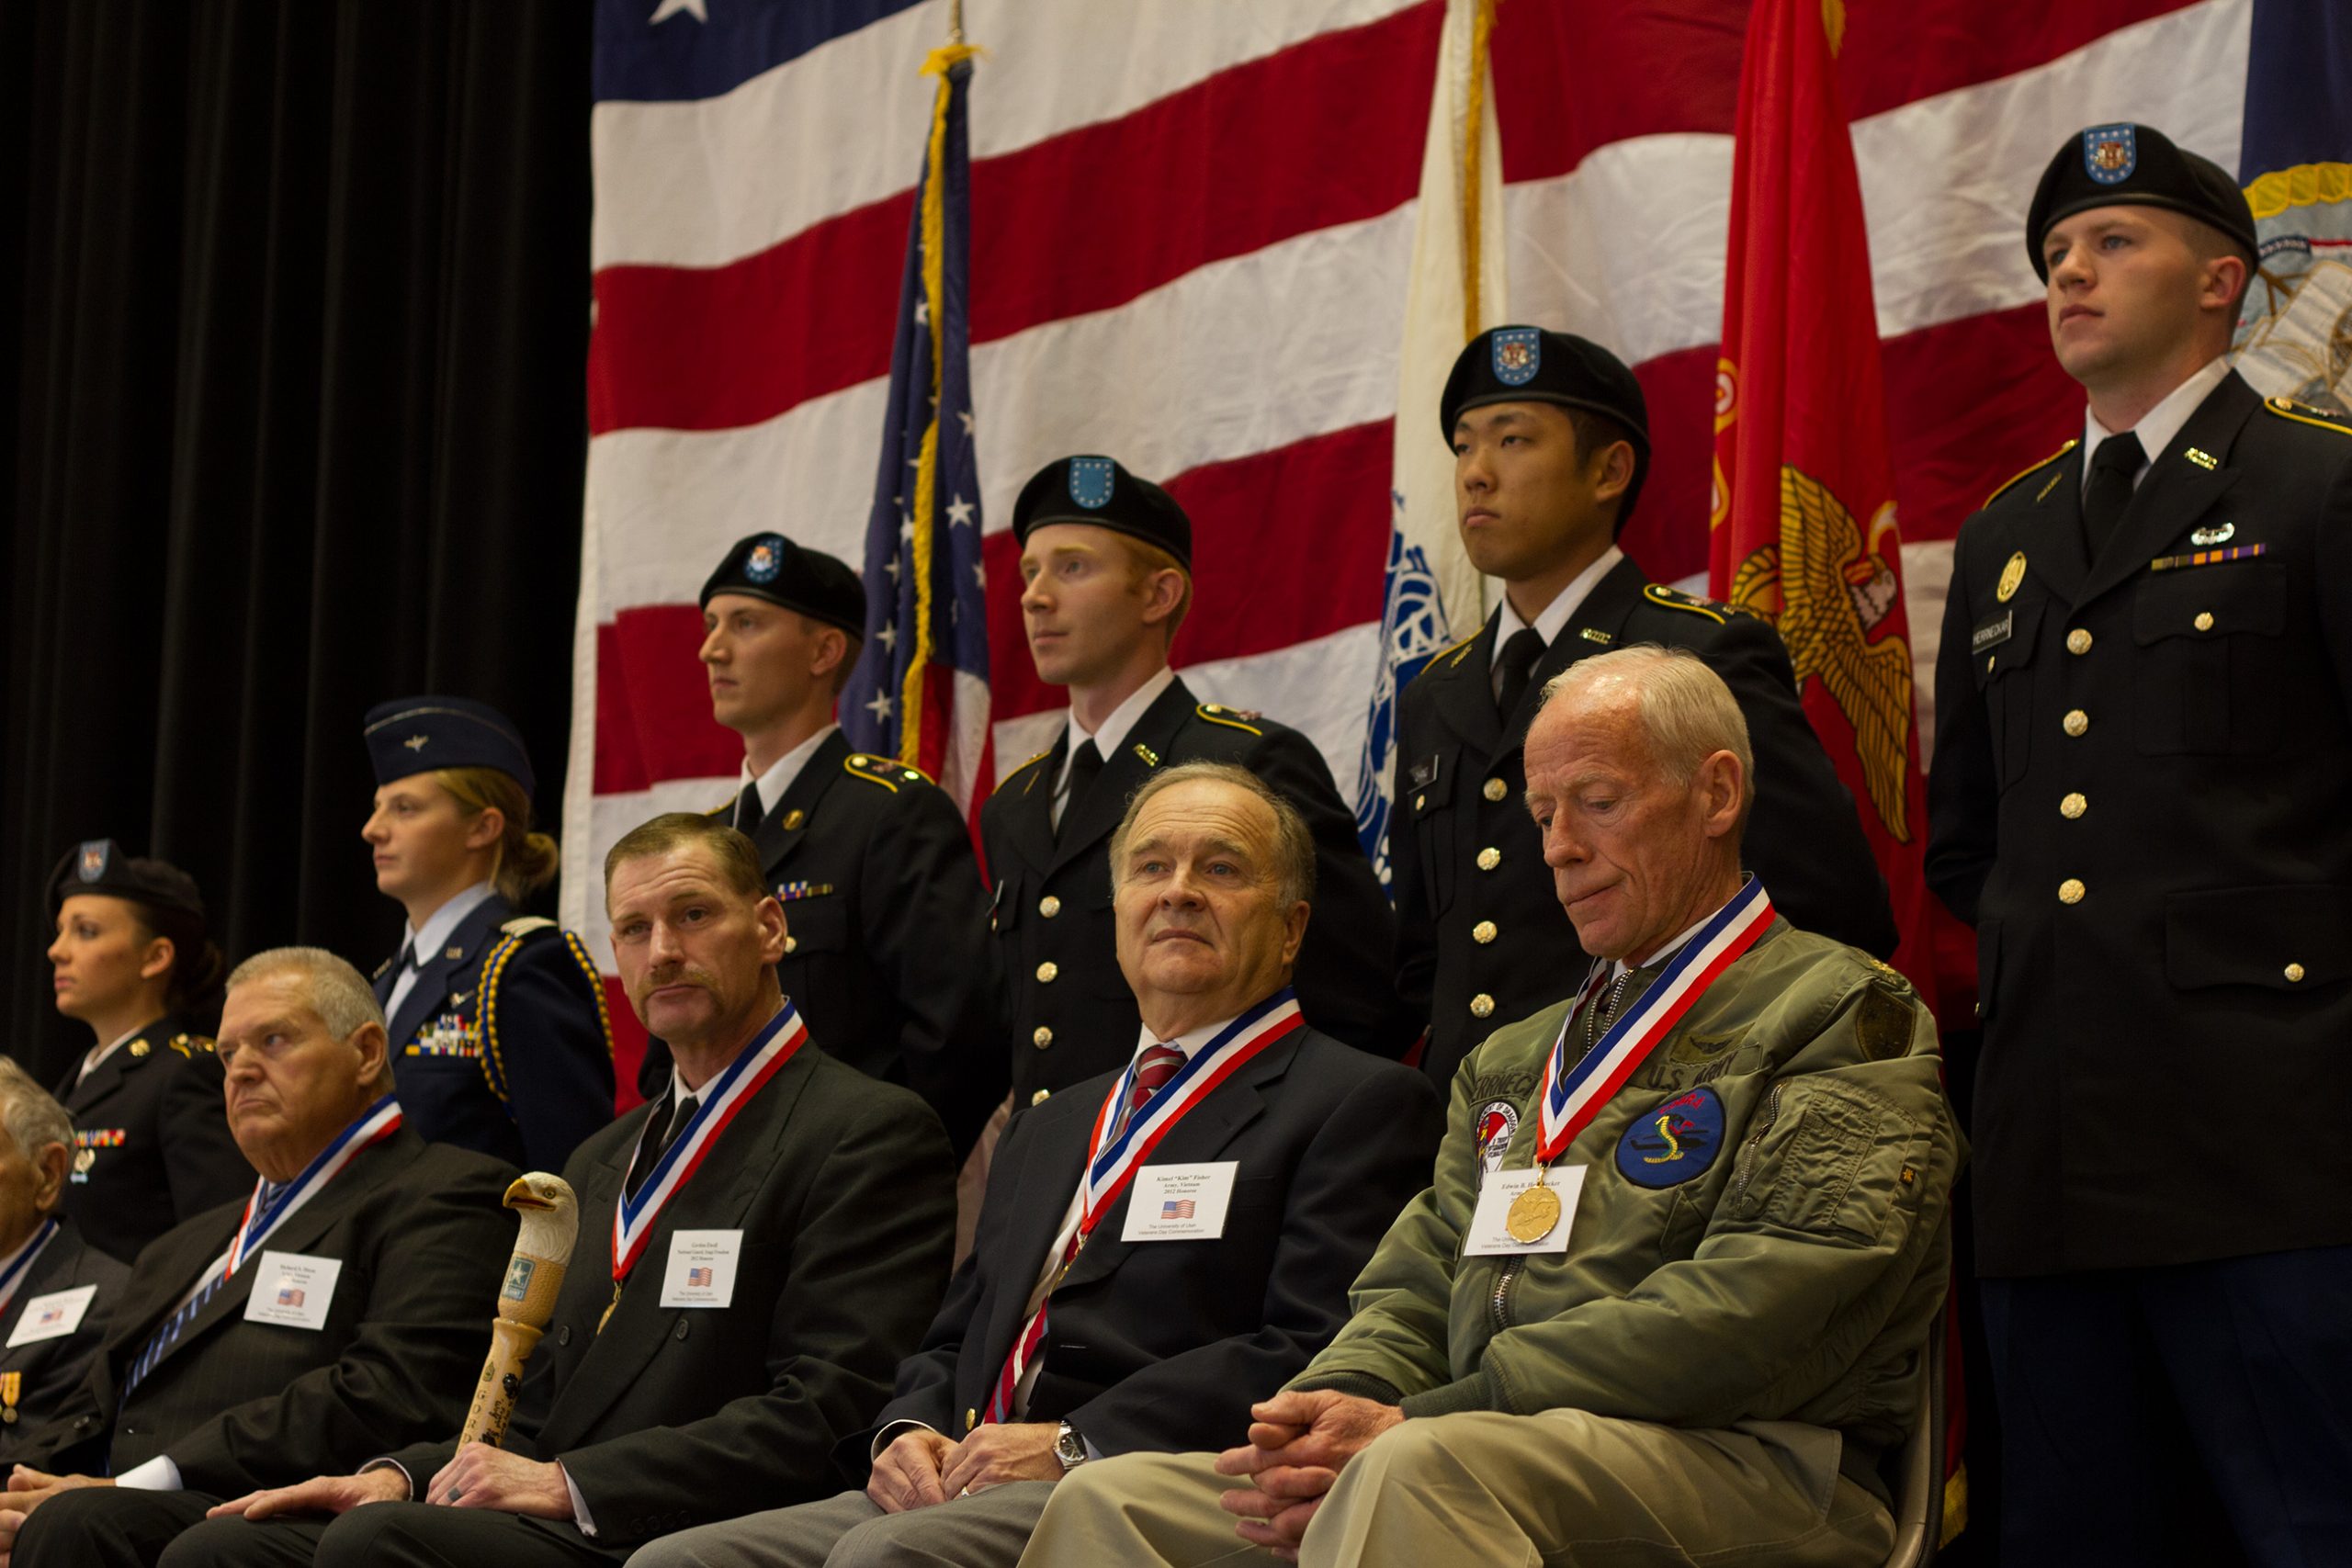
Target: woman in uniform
x,y
131,961
499,1037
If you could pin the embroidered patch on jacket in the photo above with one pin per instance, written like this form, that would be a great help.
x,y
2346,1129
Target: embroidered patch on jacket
x,y
1497,1125
1676,1142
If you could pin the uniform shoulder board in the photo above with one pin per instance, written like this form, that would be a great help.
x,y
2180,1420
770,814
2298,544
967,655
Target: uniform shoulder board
x,y
1236,718
1690,603
1013,774
2305,413
191,1045
2011,484
524,925
888,771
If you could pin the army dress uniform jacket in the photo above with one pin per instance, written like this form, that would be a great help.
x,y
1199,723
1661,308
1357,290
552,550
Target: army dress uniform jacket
x,y
151,1139
1163,1345
1480,937
502,1045
2138,800
1069,1011
842,1192
47,1372
887,954
1760,1236
238,1404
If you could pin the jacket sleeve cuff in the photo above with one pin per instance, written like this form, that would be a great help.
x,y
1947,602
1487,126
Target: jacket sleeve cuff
x,y
1476,1391
1358,1385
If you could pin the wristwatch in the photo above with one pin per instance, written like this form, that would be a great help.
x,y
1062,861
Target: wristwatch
x,y
1070,1448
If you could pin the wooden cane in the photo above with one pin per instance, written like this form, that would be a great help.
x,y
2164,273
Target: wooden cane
x,y
550,1223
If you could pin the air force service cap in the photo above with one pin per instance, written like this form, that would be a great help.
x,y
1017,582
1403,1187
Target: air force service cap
x,y
417,735
1530,365
100,866
811,582
2134,165
1101,493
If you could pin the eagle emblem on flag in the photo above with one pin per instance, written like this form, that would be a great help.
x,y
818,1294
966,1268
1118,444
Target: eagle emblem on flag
x,y
1827,598
2109,153
1518,354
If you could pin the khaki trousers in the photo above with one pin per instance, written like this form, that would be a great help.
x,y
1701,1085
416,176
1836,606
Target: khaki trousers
x,y
984,1529
1558,1488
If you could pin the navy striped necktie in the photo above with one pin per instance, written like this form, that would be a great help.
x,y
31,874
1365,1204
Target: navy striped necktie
x,y
177,1324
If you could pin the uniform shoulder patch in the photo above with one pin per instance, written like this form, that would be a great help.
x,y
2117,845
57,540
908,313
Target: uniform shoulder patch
x,y
2306,413
1675,599
888,771
1673,1141
1883,1019
1014,773
2011,484
524,925
1236,718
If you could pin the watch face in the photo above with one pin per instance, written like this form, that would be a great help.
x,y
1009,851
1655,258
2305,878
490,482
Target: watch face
x,y
1070,1448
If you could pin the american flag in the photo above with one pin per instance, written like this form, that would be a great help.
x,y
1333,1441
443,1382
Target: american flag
x,y
1177,1208
290,1295
1192,232
699,1276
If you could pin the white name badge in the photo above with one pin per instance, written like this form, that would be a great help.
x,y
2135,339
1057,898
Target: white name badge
x,y
1489,1224
701,1270
1179,1202
52,1316
292,1291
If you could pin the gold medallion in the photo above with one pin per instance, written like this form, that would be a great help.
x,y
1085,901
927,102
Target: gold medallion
x,y
2012,577
1532,1214
608,1310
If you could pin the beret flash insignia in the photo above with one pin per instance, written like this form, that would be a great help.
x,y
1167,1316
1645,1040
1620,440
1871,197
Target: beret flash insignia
x,y
1089,483
2110,152
766,559
1519,353
94,859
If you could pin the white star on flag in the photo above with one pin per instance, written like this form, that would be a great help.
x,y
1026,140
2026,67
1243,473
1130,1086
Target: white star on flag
x,y
669,8
889,635
881,707
959,512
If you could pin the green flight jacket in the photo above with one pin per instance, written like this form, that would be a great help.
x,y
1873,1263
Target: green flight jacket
x,y
1761,1234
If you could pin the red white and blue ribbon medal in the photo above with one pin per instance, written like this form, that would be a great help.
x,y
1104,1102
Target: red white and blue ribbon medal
x,y
379,1121
634,1218
1111,1162
1571,1098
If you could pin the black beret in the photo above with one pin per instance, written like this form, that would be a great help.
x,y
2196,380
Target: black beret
x,y
771,567
100,866
417,735
1528,364
2134,165
1101,493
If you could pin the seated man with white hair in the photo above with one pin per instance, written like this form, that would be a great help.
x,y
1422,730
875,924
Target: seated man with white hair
x,y
55,1288
1667,1294
342,1309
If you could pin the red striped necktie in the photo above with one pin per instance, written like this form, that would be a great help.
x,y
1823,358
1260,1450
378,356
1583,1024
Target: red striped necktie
x,y
1159,1064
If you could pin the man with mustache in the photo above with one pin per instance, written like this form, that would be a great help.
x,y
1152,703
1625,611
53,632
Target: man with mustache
x,y
337,1309
1157,1241
1675,1313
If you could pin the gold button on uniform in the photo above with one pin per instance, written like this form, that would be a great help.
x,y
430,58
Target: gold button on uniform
x,y
1419,801
1039,1098
1482,1006
2076,721
1495,789
2071,890
1489,858
1050,906
1046,971
2073,805
2294,972
2204,620
1483,932
2078,641
1042,1038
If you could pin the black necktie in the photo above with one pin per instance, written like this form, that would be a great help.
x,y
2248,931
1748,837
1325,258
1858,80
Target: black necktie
x,y
2110,491
678,1120
1085,763
747,809
1518,664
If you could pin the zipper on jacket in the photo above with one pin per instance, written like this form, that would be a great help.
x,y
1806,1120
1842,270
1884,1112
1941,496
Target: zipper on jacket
x,y
1754,1139
1498,1305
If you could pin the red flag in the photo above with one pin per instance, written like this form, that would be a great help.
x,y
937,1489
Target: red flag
x,y
1804,529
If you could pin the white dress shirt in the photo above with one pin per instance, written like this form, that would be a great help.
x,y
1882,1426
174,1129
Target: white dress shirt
x,y
2159,424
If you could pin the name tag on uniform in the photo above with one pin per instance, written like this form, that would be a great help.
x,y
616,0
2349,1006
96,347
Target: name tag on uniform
x,y
52,1316
292,1290
701,1270
1993,633
1179,1202
1489,1224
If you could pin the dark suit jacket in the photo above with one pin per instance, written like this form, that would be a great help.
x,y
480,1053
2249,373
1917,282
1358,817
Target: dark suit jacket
x,y
238,1405
532,1071
1077,1018
53,1368
1165,1345
151,1143
2159,1052
845,1192
889,959
1461,788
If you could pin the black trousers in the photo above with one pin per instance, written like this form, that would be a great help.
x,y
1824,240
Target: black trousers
x,y
2112,1383
106,1527
391,1535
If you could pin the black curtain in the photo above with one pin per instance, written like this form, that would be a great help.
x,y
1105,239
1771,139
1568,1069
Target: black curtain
x,y
293,323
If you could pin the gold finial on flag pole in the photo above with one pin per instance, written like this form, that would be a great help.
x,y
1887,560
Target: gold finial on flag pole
x,y
955,21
